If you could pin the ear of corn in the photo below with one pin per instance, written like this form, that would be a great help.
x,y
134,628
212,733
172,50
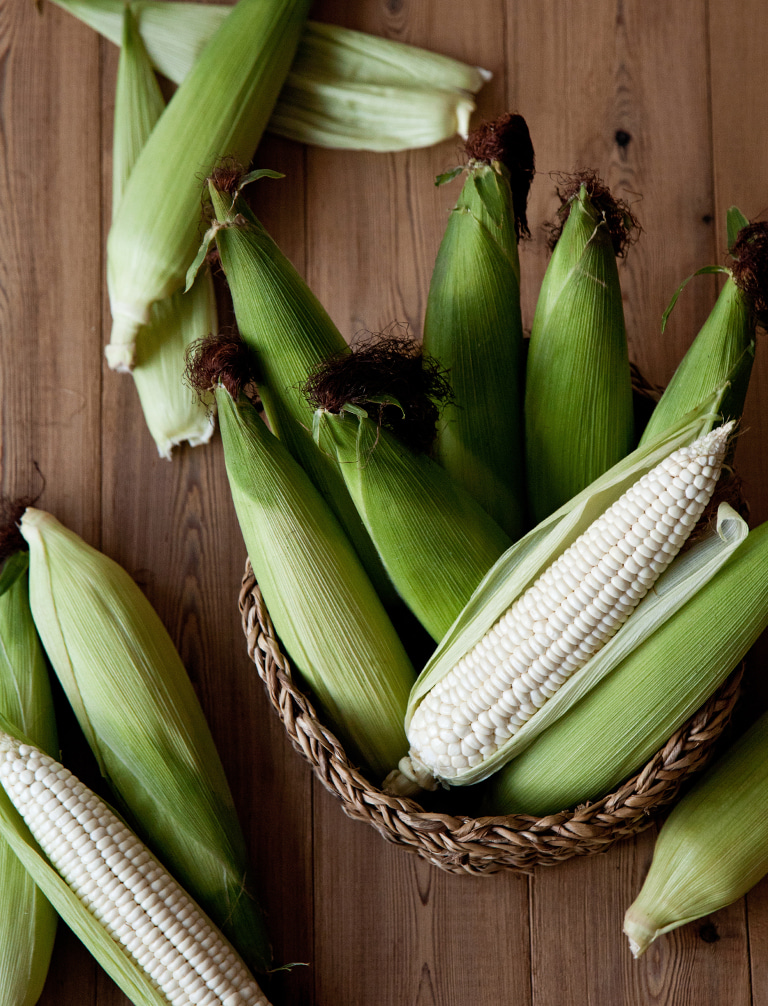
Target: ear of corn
x,y
154,747
27,919
220,109
656,689
630,714
712,848
346,89
173,414
474,328
289,333
322,604
578,393
425,527
723,350
508,580
131,914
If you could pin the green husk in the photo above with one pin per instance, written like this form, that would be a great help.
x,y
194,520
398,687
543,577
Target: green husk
x,y
154,746
725,340
27,919
172,413
474,328
289,333
322,604
520,566
630,714
435,540
712,848
220,109
578,397
346,89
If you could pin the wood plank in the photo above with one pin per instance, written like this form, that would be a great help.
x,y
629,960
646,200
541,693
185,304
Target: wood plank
x,y
392,929
50,324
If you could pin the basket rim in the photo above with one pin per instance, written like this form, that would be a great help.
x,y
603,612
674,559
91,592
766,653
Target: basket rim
x,y
464,844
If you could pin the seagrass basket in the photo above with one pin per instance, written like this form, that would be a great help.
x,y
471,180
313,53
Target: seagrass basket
x,y
460,844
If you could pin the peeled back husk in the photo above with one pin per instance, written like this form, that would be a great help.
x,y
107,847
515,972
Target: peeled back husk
x,y
630,714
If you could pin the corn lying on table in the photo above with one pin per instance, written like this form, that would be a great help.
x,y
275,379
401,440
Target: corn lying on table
x,y
553,629
118,881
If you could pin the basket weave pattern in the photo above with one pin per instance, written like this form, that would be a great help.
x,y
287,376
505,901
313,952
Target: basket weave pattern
x,y
489,844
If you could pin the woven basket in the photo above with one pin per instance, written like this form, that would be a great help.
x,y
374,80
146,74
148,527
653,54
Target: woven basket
x,y
489,844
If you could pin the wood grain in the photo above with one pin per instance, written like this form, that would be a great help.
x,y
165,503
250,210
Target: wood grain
x,y
667,103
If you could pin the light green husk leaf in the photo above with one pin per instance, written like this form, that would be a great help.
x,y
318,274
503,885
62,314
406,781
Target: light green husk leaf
x,y
435,540
220,109
712,848
632,712
726,341
346,89
172,412
323,606
520,565
578,396
474,329
154,746
118,965
289,333
27,919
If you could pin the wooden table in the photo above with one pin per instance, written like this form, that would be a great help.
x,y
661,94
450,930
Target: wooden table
x,y
668,102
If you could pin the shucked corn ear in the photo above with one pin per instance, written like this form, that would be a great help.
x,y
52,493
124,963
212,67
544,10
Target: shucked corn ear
x,y
172,412
462,727
219,110
712,848
723,350
323,606
27,919
473,325
346,89
578,390
427,529
132,915
288,332
154,746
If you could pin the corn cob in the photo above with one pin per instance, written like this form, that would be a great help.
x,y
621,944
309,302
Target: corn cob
x,y
172,412
425,526
220,109
322,604
155,749
578,392
724,349
181,957
27,920
466,718
631,713
712,848
346,89
473,325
